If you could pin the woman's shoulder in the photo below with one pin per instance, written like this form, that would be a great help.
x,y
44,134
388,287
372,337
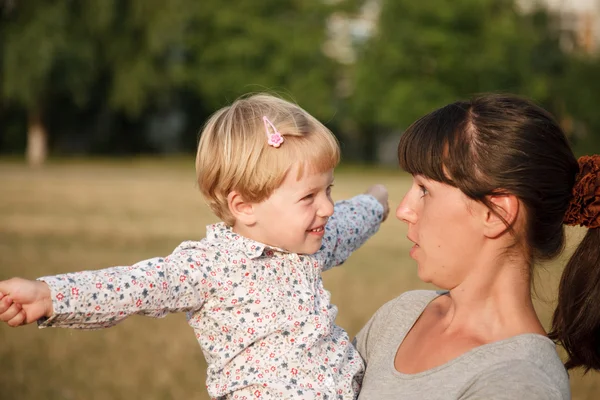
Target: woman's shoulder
x,y
520,378
541,351
532,348
522,365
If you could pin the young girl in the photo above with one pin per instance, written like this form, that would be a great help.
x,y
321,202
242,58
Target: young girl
x,y
252,288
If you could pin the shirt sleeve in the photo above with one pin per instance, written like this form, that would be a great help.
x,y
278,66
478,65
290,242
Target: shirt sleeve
x,y
513,380
352,223
102,298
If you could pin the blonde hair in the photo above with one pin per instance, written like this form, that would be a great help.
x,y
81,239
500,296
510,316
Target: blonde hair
x,y
233,153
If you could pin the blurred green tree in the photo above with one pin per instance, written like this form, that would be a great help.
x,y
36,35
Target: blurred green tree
x,y
143,53
581,96
34,41
246,46
57,48
427,54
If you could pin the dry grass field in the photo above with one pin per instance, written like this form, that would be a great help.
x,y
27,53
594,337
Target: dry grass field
x,y
88,215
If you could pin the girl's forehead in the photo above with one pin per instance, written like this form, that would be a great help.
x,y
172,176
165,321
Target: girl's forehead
x,y
304,170
316,179
306,176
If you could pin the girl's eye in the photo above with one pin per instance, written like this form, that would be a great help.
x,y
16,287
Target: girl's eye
x,y
308,197
329,189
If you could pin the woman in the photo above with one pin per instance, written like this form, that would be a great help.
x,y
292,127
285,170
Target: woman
x,y
493,181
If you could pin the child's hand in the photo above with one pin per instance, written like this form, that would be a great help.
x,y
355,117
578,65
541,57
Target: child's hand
x,y
24,301
381,194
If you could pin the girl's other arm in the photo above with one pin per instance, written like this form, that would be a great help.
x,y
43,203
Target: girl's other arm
x,y
102,298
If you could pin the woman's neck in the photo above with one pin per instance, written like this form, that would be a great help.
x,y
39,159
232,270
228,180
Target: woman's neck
x,y
493,303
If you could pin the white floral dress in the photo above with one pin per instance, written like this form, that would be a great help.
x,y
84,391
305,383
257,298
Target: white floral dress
x,y
261,315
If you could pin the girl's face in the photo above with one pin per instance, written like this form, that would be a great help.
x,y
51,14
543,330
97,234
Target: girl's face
x,y
294,216
446,232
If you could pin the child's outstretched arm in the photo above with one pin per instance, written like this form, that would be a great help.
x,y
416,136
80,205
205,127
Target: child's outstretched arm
x,y
353,222
102,298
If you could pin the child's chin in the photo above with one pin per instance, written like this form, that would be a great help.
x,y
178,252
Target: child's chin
x,y
308,248
313,250
308,251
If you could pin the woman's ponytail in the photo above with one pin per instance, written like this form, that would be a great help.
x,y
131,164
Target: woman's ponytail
x,y
576,321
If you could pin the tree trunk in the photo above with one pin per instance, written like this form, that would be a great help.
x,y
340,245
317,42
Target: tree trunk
x,y
37,140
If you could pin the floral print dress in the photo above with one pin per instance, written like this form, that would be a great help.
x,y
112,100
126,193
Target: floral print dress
x,y
260,314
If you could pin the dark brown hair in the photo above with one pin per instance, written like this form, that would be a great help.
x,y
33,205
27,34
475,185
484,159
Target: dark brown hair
x,y
497,144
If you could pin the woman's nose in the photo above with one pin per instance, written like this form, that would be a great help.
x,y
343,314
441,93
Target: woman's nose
x,y
406,213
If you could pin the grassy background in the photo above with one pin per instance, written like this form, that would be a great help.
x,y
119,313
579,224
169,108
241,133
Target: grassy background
x,y
88,215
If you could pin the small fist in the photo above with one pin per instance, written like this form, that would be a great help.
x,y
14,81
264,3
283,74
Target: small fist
x,y
381,194
10,312
24,301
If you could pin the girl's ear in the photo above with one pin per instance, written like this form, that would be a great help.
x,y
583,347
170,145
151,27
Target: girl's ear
x,y
506,208
242,210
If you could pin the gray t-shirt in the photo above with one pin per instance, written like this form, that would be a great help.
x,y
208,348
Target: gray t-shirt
x,y
522,367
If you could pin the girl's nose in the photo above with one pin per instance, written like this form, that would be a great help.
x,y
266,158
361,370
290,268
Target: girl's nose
x,y
325,208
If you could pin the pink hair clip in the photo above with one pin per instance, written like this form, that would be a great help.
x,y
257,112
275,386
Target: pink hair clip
x,y
273,139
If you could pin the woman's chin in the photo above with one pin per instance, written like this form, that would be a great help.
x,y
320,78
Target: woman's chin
x,y
423,276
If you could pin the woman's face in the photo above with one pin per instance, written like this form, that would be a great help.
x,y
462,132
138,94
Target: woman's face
x,y
445,227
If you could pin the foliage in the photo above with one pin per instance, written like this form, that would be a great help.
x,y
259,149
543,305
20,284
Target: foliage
x,y
581,95
134,56
99,71
249,46
62,46
428,54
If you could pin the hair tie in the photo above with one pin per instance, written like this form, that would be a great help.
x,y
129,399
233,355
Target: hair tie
x,y
273,139
584,208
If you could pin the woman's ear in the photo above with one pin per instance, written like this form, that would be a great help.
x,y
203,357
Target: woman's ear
x,y
506,209
242,210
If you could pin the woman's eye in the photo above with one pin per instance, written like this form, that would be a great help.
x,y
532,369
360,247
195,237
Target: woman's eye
x,y
424,190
